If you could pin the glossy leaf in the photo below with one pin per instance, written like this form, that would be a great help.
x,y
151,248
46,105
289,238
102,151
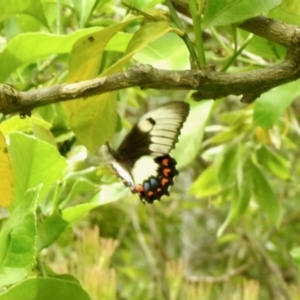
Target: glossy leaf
x,y
17,240
35,162
232,11
6,174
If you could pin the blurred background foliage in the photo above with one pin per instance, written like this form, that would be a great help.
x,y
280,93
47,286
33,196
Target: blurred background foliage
x,y
229,229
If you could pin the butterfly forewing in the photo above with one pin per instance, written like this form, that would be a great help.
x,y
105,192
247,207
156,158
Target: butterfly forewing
x,y
144,157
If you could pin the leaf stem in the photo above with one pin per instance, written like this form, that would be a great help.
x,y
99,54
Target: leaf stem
x,y
196,11
187,41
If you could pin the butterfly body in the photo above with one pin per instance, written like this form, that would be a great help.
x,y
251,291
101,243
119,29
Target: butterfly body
x,y
142,161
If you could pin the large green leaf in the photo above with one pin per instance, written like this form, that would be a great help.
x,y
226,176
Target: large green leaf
x,y
271,105
86,55
192,133
6,174
96,121
35,162
265,196
206,184
46,289
173,57
274,163
288,11
227,162
232,11
49,230
241,194
83,10
17,240
36,45
147,34
33,8
107,194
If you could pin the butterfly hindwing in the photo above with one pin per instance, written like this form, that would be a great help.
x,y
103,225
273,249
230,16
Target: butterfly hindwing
x,y
142,161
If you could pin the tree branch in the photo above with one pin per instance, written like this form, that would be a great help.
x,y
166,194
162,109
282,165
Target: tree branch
x,y
207,84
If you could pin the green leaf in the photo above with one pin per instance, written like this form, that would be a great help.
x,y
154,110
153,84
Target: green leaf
x,y
231,11
192,133
272,104
33,8
6,174
50,229
17,240
15,123
265,196
108,194
206,184
83,10
36,45
94,123
227,162
34,162
147,34
86,55
295,253
46,289
288,12
173,57
274,163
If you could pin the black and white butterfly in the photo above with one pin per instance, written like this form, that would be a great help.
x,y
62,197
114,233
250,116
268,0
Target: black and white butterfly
x,y
142,160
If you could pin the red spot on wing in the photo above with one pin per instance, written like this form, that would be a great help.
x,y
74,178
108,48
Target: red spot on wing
x,y
166,172
164,181
150,193
139,189
165,161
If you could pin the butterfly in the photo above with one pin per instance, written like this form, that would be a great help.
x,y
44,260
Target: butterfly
x,y
142,160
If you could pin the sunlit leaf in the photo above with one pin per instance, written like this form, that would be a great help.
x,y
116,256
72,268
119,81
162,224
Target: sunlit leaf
x,y
17,240
147,34
265,196
45,288
35,162
232,11
83,10
272,104
49,230
173,57
274,163
95,123
35,45
192,133
33,8
6,174
206,184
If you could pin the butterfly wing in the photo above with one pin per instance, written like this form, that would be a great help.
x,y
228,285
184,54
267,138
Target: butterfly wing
x,y
142,160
